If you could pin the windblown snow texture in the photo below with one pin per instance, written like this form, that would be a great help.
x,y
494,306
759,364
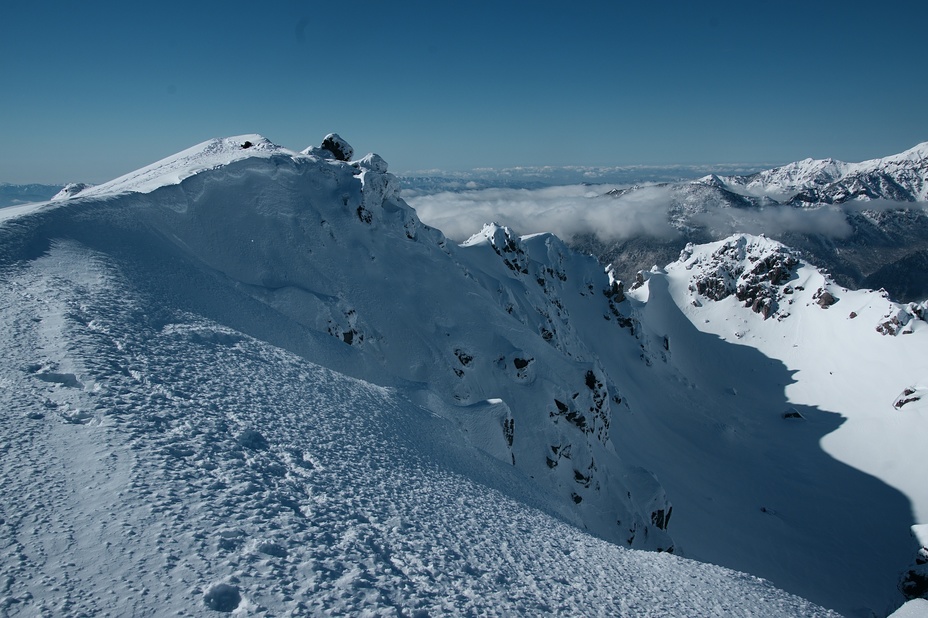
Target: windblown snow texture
x,y
252,380
249,380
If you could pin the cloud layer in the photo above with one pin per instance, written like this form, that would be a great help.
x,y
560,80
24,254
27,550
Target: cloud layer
x,y
566,211
573,210
829,221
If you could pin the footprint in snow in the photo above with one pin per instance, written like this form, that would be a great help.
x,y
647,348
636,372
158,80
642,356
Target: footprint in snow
x,y
222,597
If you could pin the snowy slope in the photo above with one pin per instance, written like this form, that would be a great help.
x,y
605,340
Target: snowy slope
x,y
827,372
251,380
857,357
184,465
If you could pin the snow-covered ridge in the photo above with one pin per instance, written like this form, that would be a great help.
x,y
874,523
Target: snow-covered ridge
x,y
194,160
318,255
70,190
901,177
392,420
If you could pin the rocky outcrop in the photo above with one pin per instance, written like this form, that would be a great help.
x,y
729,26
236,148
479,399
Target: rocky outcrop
x,y
755,270
340,149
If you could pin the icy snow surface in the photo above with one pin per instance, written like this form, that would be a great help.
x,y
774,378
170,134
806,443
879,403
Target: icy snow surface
x,y
248,380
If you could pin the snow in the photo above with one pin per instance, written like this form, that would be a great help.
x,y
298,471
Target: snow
x,y
916,608
845,483
843,364
202,157
252,381
783,183
70,190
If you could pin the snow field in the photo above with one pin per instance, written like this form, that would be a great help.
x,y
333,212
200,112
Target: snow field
x,y
213,470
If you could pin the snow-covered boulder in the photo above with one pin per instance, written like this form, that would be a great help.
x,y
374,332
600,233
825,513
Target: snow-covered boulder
x,y
372,162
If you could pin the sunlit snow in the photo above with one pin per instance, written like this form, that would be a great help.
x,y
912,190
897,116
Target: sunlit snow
x,y
246,379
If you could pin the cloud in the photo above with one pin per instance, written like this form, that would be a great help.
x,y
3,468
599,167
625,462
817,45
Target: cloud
x,y
829,221
882,206
577,209
566,211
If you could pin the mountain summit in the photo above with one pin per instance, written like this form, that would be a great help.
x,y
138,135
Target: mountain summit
x,y
251,380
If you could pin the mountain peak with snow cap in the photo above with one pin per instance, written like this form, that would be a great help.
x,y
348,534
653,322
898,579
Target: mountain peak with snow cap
x,y
173,169
333,147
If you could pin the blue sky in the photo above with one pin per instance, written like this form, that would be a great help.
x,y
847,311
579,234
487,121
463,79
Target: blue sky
x,y
93,90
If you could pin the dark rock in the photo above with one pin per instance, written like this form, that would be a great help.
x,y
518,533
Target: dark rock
x,y
509,430
591,382
825,298
616,292
339,148
661,519
463,357
914,584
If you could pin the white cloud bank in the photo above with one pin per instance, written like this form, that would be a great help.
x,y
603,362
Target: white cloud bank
x,y
572,210
830,221
566,211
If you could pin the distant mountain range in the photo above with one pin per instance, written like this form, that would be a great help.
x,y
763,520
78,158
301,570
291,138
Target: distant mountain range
x,y
12,195
901,178
865,222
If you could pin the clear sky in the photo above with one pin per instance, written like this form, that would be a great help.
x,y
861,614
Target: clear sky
x,y
91,90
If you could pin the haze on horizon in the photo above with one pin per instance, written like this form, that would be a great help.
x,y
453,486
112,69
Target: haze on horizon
x,y
95,91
